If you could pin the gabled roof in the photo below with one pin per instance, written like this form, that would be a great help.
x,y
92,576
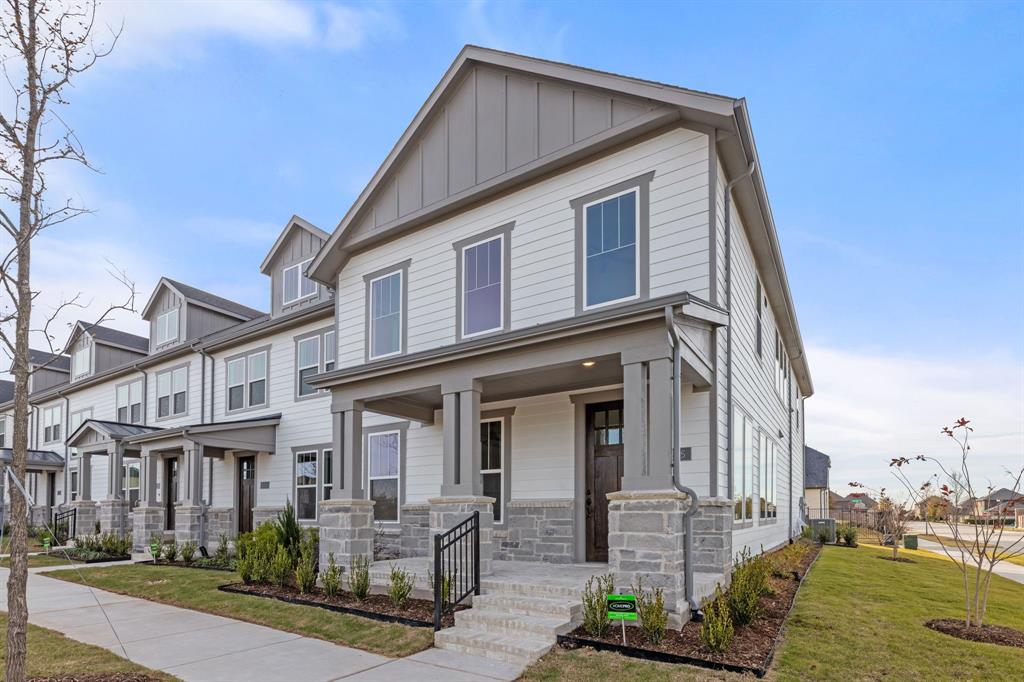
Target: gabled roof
x,y
110,336
37,459
109,429
295,223
60,363
379,213
202,298
816,466
6,391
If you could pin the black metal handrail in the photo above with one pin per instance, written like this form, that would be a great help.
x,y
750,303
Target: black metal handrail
x,y
64,525
456,566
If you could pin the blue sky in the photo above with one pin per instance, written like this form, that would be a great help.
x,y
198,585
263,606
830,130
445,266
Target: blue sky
x,y
890,137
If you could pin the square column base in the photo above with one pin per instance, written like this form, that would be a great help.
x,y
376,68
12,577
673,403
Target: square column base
x,y
645,540
113,517
712,537
188,525
346,529
85,516
147,522
448,512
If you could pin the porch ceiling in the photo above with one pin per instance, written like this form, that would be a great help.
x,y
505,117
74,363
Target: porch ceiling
x,y
251,435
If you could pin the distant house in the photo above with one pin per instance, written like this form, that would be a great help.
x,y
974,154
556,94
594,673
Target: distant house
x,y
991,505
933,508
816,492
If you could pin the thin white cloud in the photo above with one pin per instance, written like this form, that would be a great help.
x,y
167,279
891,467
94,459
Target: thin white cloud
x,y
514,27
352,27
869,407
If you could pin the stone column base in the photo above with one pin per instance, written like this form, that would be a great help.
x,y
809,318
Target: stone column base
x,y
448,512
261,515
645,540
712,537
40,515
220,523
147,522
188,525
415,539
346,530
85,516
113,517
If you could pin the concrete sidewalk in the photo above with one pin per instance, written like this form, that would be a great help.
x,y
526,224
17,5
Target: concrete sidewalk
x,y
199,646
1004,568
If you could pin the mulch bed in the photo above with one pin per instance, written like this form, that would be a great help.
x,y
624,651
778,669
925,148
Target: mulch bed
x,y
194,564
71,555
988,634
752,647
417,612
112,677
899,559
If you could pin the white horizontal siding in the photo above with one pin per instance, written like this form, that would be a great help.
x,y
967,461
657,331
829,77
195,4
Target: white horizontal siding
x,y
543,244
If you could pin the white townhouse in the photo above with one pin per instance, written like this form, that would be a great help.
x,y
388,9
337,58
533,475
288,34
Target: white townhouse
x,y
564,290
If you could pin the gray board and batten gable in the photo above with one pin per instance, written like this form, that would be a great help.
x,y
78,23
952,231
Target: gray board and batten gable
x,y
498,121
199,312
108,348
298,243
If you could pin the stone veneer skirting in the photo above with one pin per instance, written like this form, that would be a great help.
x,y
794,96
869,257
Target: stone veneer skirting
x,y
712,536
261,515
537,530
220,521
147,522
415,536
113,516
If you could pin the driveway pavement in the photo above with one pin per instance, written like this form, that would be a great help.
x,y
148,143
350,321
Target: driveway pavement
x,y
199,646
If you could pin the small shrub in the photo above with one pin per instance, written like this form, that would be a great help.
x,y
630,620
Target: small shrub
x,y
281,567
823,535
650,607
716,631
289,532
222,555
401,586
331,578
749,582
305,570
188,551
171,551
806,533
847,532
447,586
595,604
359,577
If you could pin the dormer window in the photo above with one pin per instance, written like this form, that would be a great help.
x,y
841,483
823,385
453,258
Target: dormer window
x,y
167,327
81,360
296,285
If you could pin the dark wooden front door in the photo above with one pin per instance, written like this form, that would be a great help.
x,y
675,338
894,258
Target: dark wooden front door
x,y
603,472
170,489
246,492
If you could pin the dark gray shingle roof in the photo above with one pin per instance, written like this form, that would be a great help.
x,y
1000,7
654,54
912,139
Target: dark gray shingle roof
x,y
36,458
116,336
214,300
816,466
6,391
42,357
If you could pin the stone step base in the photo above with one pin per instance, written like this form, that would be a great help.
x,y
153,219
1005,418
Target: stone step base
x,y
545,607
505,623
520,649
492,586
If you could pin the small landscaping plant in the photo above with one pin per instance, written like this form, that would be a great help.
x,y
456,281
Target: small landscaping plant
x,y
749,582
650,607
188,551
806,533
595,604
716,630
823,535
171,551
359,577
222,554
447,586
847,532
785,562
402,582
281,567
305,570
331,578
289,532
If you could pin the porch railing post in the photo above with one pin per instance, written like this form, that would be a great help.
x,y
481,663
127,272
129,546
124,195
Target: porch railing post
x,y
438,582
476,553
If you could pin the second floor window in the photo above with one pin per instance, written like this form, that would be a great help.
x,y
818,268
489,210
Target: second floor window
x,y
172,392
52,421
308,363
3,432
781,367
482,287
76,419
167,327
247,381
315,352
129,402
81,361
610,262
386,315
296,285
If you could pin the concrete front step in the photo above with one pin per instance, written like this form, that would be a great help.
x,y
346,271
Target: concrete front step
x,y
521,649
503,622
553,607
490,585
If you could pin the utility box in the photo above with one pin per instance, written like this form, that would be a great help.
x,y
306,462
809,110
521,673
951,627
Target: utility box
x,y
909,542
829,526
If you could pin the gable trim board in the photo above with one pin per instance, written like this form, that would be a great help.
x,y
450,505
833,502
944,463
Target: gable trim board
x,y
726,117
295,222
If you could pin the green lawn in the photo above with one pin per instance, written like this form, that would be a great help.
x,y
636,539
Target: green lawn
x,y
34,544
197,589
856,618
38,560
52,655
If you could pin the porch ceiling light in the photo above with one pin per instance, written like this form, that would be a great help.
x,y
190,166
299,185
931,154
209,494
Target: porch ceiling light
x,y
589,363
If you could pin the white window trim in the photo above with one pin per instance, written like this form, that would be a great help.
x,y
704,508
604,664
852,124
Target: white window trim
x,y
317,482
397,476
325,456
332,345
58,421
301,269
170,396
636,244
500,470
501,297
167,327
318,338
401,312
772,445
79,372
244,358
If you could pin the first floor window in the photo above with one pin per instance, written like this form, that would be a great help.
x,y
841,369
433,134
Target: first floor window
x,y
33,486
610,252
74,482
386,315
52,419
328,474
383,473
767,463
742,466
490,463
305,485
130,487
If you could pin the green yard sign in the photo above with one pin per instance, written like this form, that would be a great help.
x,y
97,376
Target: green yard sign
x,y
621,607
46,544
